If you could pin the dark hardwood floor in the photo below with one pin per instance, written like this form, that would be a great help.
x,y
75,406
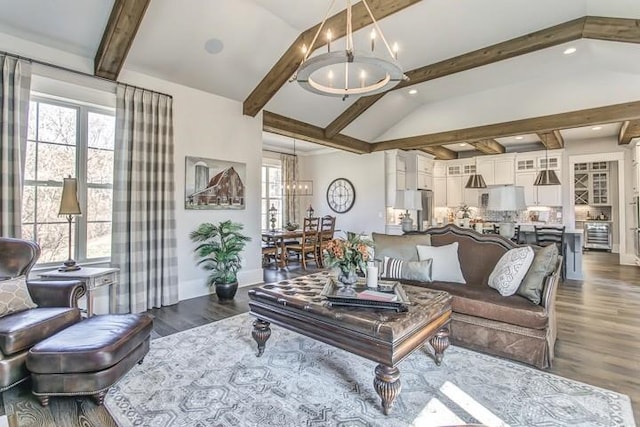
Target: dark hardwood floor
x,y
598,329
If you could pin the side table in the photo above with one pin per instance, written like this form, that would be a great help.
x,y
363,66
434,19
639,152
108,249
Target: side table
x,y
93,278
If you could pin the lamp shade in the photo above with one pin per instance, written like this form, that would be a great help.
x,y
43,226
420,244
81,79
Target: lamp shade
x,y
547,177
69,203
506,198
476,181
412,200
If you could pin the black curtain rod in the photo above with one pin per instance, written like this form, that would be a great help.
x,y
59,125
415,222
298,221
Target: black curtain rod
x,y
59,67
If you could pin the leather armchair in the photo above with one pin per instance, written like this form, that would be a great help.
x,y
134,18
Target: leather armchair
x,y
19,331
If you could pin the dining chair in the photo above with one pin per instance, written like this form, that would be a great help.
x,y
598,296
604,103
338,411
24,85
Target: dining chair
x,y
516,234
308,244
547,235
325,235
269,253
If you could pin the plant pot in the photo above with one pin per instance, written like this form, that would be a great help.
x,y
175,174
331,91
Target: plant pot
x,y
226,291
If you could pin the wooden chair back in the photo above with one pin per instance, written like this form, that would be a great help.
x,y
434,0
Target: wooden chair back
x,y
327,228
310,231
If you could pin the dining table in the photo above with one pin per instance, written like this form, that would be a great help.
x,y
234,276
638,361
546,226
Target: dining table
x,y
279,237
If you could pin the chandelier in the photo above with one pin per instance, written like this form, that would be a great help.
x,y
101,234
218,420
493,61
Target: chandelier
x,y
342,73
297,187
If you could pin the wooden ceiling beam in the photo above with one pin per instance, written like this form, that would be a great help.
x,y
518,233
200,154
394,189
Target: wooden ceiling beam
x,y
588,117
292,128
121,29
290,60
591,27
440,153
551,140
630,129
489,146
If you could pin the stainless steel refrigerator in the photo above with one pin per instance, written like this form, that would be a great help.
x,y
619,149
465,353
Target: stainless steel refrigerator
x,y
425,215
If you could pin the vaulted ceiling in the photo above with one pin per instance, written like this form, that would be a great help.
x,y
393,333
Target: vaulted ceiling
x,y
485,72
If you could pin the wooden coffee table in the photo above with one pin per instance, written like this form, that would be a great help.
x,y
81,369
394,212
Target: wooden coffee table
x,y
383,336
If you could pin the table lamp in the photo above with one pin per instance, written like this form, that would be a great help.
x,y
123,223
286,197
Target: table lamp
x,y
408,200
506,199
70,207
273,212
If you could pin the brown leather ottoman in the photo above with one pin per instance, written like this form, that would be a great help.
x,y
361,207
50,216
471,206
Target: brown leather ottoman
x,y
88,357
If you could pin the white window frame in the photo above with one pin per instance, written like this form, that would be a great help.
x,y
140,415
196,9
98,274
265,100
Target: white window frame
x,y
82,146
275,164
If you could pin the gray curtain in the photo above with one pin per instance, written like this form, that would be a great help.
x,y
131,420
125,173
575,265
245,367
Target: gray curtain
x,y
144,242
15,84
289,200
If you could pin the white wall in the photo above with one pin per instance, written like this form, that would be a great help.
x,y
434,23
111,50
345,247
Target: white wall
x,y
365,171
205,125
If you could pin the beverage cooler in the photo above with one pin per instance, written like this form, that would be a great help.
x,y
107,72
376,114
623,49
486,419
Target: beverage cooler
x,y
597,235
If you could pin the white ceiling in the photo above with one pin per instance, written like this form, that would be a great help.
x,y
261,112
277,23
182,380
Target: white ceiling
x,y
170,44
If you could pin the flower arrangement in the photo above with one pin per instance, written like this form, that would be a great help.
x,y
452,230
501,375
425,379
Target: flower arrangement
x,y
348,255
465,210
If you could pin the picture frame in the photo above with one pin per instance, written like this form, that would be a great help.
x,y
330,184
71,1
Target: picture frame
x,y
214,184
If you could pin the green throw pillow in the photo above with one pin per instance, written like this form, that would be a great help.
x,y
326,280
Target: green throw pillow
x,y
543,264
401,247
393,268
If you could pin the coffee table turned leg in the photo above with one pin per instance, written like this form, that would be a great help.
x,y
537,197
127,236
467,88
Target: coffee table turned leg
x,y
261,333
387,385
440,342
99,397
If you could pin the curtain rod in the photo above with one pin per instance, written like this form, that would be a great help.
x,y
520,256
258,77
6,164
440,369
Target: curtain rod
x,y
82,73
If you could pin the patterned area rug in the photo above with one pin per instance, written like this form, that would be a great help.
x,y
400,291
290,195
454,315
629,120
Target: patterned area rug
x,y
210,376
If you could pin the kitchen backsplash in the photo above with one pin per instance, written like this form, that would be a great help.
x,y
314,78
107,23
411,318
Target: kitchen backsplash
x,y
548,215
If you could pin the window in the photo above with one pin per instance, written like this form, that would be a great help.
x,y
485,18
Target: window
x,y
271,193
67,139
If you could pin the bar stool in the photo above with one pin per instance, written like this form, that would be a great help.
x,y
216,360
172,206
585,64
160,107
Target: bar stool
x,y
546,235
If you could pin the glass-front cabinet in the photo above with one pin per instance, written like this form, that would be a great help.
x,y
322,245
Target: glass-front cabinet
x,y
591,184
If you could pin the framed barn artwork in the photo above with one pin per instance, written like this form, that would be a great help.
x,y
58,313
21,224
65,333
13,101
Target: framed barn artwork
x,y
214,184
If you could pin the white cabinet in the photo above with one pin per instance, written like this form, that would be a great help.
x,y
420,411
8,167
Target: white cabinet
x,y
591,184
527,167
419,171
395,175
497,169
440,191
454,191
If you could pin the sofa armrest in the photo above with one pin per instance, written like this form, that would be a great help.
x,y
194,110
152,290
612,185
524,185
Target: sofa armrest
x,y
548,300
53,293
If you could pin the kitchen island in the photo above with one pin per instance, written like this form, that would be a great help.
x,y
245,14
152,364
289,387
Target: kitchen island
x,y
573,248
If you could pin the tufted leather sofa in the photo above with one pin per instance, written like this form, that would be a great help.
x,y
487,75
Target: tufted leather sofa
x,y
482,319
19,331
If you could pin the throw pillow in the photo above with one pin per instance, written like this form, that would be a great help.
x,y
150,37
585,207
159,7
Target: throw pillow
x,y
394,268
446,264
510,270
14,296
544,262
401,247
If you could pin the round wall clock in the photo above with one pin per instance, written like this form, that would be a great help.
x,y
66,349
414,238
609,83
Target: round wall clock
x,y
341,195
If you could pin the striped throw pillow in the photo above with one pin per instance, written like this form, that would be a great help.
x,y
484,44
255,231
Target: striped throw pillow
x,y
394,268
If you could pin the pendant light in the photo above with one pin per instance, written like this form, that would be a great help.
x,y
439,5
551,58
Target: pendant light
x,y
546,176
476,180
297,187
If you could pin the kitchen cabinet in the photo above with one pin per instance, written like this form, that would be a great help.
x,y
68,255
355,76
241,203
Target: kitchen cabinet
x,y
419,171
497,169
440,191
395,175
543,195
454,192
527,167
591,184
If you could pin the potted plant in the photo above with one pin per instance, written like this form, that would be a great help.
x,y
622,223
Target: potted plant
x,y
219,252
465,210
348,256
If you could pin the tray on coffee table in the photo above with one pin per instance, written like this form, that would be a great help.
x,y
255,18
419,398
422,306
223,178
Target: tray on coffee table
x,y
388,295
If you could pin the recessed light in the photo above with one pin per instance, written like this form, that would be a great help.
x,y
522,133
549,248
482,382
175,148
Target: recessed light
x,y
569,50
519,137
463,144
213,46
596,128
413,91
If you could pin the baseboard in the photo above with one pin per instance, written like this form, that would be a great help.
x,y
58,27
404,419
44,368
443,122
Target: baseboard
x,y
198,287
615,248
629,259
